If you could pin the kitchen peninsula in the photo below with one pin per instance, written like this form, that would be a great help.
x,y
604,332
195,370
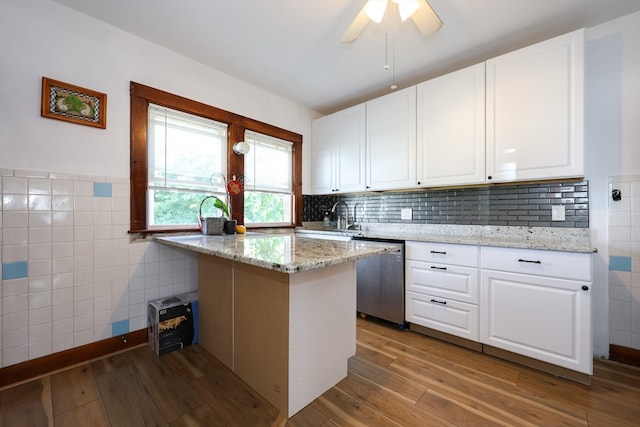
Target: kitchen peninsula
x,y
279,310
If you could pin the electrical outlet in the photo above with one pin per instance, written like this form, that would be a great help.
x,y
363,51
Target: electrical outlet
x,y
406,213
557,213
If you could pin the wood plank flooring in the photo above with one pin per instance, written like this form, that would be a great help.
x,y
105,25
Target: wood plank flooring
x,y
397,378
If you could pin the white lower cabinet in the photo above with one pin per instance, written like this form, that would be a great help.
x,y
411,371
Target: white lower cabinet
x,y
538,304
534,303
442,288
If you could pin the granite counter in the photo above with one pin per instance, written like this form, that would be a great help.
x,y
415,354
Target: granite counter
x,y
284,252
544,238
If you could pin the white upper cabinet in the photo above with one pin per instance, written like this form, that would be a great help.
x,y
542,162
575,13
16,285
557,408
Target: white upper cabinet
x,y
322,155
338,152
391,141
535,111
450,124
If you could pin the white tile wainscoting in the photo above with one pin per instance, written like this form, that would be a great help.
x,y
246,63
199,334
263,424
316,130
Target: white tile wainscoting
x,y
624,262
70,274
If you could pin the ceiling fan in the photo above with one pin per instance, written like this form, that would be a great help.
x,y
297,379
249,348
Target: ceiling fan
x,y
419,10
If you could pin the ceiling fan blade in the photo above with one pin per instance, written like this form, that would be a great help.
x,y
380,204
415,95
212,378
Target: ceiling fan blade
x,y
356,27
426,19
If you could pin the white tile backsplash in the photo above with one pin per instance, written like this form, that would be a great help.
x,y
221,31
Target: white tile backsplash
x,y
83,271
14,185
624,245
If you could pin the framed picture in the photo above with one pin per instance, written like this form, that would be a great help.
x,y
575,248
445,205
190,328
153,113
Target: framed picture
x,y
64,101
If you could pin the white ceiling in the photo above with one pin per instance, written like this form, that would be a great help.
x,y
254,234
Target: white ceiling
x,y
292,48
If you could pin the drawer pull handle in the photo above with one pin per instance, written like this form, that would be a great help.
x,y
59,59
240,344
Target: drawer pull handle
x,y
439,302
438,268
531,261
439,252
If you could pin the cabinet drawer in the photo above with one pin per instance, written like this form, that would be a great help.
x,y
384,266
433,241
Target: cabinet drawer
x,y
453,317
442,253
567,265
443,280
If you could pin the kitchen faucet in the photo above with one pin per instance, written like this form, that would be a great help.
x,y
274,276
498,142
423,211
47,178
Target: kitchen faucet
x,y
333,209
355,225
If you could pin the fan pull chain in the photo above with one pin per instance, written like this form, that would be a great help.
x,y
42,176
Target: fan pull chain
x,y
394,86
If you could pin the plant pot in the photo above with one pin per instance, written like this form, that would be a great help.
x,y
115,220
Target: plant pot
x,y
213,225
230,226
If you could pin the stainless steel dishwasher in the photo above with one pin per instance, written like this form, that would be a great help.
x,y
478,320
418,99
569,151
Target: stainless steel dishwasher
x,y
380,281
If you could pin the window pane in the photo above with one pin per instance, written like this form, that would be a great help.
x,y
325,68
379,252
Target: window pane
x,y
184,150
182,208
267,208
268,166
268,169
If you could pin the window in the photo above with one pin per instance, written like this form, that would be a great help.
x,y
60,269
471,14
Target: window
x,y
268,195
186,156
181,151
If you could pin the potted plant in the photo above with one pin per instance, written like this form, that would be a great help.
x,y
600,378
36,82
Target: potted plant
x,y
215,225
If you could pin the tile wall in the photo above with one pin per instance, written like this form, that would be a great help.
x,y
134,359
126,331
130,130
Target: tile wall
x,y
70,274
511,205
624,262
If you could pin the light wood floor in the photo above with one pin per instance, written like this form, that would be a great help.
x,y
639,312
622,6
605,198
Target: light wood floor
x,y
397,378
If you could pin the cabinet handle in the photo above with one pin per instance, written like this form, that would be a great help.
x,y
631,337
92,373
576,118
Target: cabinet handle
x,y
489,177
585,288
439,252
528,260
438,302
419,183
438,268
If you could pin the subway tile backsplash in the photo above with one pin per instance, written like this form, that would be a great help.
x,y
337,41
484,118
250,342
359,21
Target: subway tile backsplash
x,y
503,205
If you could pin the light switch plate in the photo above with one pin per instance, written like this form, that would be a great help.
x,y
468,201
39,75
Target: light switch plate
x,y
406,213
557,213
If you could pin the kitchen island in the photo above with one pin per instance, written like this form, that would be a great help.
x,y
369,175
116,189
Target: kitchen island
x,y
278,309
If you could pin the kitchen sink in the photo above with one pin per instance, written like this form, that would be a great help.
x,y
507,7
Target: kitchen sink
x,y
345,235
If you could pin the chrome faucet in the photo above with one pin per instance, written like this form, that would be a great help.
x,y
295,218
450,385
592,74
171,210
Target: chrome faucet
x,y
335,207
355,225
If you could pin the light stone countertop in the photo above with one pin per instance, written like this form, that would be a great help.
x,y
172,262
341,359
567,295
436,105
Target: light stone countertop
x,y
544,238
286,252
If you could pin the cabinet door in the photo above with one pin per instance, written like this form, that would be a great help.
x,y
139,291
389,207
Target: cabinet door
x,y
544,318
350,149
451,122
323,156
535,108
391,141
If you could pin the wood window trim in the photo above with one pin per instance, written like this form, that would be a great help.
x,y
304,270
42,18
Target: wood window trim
x,y
141,96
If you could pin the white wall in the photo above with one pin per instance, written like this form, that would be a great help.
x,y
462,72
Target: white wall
x,y
70,275
42,38
612,140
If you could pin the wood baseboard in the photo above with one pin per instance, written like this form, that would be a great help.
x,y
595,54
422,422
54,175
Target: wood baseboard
x,y
30,369
626,355
462,342
539,365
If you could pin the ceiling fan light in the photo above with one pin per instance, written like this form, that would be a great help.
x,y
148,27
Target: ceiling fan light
x,y
375,10
406,8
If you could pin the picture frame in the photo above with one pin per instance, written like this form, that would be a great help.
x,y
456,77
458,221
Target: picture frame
x,y
75,104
